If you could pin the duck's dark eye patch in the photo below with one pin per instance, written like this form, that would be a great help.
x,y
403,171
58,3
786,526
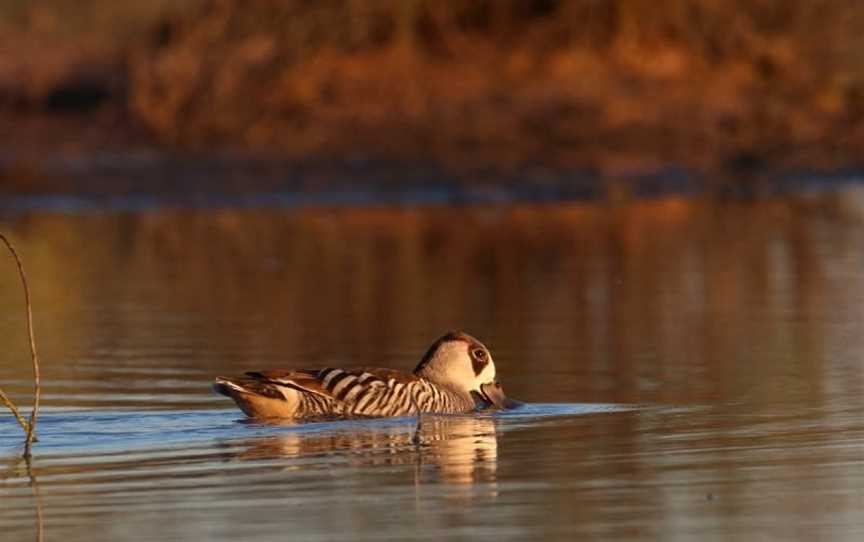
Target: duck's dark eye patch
x,y
479,359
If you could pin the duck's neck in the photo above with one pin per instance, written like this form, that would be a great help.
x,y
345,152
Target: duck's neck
x,y
443,398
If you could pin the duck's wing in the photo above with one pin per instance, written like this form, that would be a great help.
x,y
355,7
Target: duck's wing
x,y
332,383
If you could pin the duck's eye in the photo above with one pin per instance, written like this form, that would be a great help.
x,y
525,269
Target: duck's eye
x,y
479,360
480,355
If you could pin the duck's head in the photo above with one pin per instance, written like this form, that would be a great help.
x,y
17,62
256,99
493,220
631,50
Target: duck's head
x,y
462,363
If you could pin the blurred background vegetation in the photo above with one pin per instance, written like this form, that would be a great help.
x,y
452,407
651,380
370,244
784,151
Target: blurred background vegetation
x,y
606,86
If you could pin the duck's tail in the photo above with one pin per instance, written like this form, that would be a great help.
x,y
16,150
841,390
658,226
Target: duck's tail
x,y
258,398
227,387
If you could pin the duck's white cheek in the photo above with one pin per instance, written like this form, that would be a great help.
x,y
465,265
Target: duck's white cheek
x,y
487,374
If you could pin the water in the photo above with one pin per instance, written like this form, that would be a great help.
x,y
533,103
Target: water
x,y
692,371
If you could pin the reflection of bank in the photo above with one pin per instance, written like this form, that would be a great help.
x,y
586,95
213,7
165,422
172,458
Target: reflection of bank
x,y
460,450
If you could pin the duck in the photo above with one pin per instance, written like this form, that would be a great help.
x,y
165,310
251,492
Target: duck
x,y
455,375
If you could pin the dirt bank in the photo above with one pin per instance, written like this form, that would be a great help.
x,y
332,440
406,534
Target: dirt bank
x,y
607,87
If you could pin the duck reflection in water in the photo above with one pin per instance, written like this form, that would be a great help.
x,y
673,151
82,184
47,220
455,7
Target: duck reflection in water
x,y
461,450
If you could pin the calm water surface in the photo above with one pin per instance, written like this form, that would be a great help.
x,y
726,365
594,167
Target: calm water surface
x,y
692,371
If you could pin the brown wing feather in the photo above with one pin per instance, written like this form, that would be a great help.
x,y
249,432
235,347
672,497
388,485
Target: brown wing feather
x,y
302,379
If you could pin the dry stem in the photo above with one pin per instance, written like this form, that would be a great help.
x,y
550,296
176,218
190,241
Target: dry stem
x,y
28,426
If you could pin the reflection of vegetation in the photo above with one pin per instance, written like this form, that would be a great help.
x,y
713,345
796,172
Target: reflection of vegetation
x,y
28,426
37,496
634,298
14,470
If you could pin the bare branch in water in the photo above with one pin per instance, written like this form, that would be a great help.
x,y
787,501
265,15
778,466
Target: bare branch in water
x,y
4,399
30,426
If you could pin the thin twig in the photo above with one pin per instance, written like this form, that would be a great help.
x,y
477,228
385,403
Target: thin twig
x,y
30,426
4,399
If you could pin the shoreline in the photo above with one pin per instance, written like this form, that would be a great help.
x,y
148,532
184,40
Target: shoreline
x,y
124,180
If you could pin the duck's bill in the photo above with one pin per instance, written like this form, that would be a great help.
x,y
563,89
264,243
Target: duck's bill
x,y
493,393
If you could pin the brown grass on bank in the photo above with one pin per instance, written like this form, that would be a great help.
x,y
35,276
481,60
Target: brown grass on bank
x,y
30,425
568,82
605,85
